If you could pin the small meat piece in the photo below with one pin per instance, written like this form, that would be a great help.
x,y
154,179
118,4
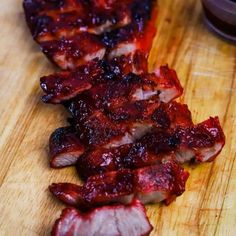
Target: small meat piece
x,y
169,84
65,147
162,182
158,183
136,36
75,51
203,141
65,85
163,115
98,190
136,63
109,220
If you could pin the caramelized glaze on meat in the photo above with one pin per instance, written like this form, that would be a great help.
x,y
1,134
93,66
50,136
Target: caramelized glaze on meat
x,y
201,142
167,181
72,33
106,83
65,147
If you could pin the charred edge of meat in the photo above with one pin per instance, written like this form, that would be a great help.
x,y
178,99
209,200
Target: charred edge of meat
x,y
141,14
107,86
65,147
70,37
126,124
80,16
162,182
65,85
74,51
99,129
202,142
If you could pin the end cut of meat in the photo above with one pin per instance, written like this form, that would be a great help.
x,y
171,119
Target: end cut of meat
x,y
65,147
109,220
72,32
162,182
106,82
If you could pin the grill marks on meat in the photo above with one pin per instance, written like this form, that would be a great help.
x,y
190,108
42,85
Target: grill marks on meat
x,y
106,83
72,32
108,220
162,182
201,142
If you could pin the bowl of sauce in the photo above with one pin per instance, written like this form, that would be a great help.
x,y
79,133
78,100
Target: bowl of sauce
x,y
220,17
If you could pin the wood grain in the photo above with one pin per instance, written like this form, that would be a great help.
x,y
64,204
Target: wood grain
x,y
207,68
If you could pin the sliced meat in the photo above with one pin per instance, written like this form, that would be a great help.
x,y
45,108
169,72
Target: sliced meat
x,y
53,19
162,182
128,123
106,83
169,84
72,33
136,63
98,190
65,147
96,129
74,51
201,142
65,85
132,87
164,115
109,220
138,35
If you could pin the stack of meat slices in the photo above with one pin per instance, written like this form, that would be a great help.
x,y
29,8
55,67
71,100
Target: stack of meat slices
x,y
127,137
74,32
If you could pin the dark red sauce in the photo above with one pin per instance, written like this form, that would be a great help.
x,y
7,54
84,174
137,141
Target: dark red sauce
x,y
220,17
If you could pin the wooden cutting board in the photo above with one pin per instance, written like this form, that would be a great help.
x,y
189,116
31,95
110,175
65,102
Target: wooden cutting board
x,y
206,66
